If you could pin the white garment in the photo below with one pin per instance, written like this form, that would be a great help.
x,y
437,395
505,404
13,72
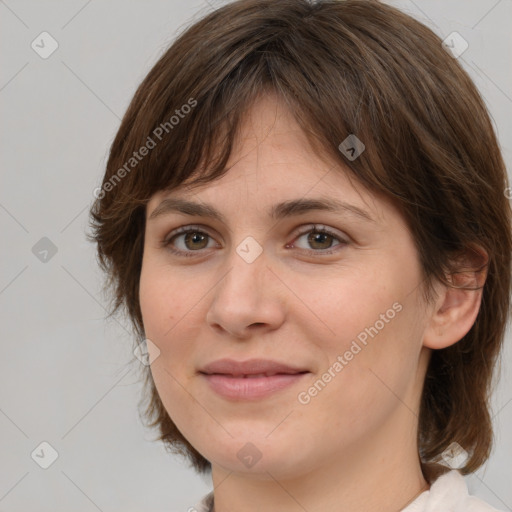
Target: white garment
x,y
449,493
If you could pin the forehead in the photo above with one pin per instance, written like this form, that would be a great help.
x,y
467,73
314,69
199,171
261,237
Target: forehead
x,y
272,166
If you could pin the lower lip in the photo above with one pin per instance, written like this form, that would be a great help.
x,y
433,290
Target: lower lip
x,y
251,388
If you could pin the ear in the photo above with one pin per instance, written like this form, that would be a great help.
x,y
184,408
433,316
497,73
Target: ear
x,y
456,308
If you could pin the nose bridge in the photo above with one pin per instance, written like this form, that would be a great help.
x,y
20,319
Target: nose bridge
x,y
244,296
247,265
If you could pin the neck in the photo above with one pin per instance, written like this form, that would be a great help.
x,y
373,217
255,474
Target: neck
x,y
376,477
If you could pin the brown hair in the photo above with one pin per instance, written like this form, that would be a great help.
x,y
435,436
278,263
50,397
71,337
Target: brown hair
x,y
342,67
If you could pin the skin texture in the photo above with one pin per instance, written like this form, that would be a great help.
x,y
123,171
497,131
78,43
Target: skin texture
x,y
354,442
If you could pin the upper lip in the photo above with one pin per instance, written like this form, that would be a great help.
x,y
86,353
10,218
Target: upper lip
x,y
249,367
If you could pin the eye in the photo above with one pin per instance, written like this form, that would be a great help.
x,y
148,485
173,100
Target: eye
x,y
320,239
193,239
187,240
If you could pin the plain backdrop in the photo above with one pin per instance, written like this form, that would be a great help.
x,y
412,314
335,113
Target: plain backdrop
x,y
67,376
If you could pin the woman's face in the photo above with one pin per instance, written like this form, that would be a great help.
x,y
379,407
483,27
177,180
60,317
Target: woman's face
x,y
344,308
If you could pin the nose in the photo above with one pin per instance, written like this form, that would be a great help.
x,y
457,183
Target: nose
x,y
249,299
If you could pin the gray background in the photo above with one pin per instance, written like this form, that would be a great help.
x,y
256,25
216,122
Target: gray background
x,y
66,376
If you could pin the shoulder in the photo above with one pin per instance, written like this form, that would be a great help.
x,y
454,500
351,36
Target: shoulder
x,y
450,493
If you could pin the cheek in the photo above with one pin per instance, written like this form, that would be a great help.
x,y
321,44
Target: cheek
x,y
149,291
164,311
367,323
342,304
161,300
169,313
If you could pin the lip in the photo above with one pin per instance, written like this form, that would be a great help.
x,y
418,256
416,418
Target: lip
x,y
243,380
249,367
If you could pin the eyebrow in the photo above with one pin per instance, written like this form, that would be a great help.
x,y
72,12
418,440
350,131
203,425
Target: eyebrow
x,y
277,212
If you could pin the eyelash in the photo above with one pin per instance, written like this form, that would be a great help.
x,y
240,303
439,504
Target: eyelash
x,y
166,243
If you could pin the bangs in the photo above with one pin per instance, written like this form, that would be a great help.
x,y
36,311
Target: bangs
x,y
196,150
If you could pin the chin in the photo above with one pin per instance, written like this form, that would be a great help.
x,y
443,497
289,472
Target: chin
x,y
255,454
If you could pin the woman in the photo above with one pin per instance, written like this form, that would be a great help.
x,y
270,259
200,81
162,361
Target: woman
x,y
335,330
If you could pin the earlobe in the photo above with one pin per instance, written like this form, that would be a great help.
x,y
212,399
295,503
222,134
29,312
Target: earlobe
x,y
457,305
